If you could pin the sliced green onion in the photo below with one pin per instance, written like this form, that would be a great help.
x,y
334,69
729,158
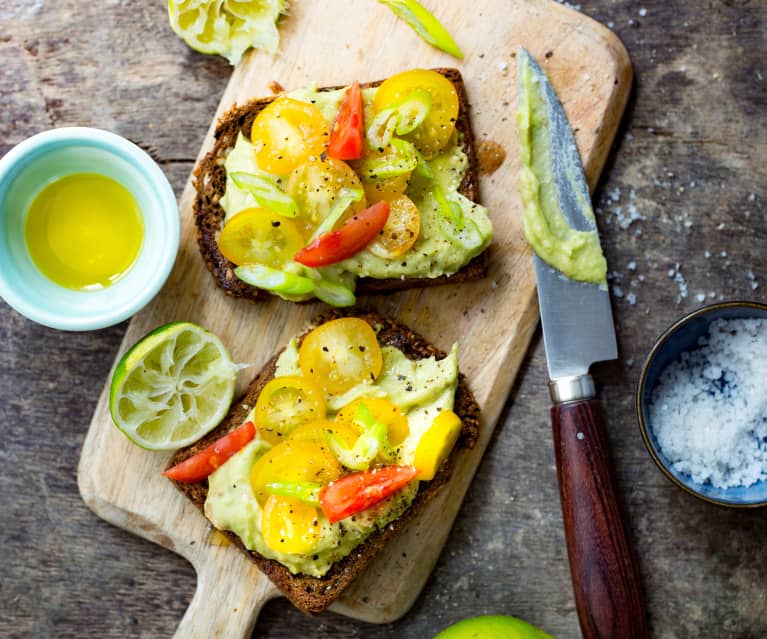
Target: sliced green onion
x,y
373,429
305,491
273,280
449,210
364,418
382,128
400,118
357,457
412,111
373,441
469,236
424,24
423,168
404,159
334,293
345,197
266,192
457,226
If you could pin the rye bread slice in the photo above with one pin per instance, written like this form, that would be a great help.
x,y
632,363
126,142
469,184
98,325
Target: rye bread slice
x,y
313,594
210,183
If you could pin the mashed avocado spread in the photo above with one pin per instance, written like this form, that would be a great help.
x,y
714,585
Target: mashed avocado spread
x,y
445,243
577,254
420,388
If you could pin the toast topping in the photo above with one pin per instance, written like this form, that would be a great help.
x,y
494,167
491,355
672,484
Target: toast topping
x,y
309,492
412,158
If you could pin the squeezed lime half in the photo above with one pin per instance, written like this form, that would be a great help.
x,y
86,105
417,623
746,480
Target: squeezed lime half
x,y
227,27
172,387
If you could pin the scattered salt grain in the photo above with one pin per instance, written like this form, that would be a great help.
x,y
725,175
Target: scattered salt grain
x,y
631,298
701,297
643,12
676,274
709,410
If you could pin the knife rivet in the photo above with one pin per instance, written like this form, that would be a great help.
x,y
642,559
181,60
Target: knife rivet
x,y
579,435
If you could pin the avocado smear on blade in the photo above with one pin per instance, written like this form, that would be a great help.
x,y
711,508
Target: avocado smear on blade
x,y
576,254
443,247
420,388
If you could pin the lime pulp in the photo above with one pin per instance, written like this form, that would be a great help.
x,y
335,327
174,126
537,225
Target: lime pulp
x,y
172,387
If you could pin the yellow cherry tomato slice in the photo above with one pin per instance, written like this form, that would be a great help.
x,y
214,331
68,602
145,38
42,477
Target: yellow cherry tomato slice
x,y
299,461
259,236
289,525
385,188
286,402
400,231
383,411
341,354
380,188
436,443
317,432
287,133
433,134
314,187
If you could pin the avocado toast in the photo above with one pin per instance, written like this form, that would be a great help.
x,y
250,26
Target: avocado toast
x,y
333,571
439,182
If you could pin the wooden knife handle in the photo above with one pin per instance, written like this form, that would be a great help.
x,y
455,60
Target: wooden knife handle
x,y
608,596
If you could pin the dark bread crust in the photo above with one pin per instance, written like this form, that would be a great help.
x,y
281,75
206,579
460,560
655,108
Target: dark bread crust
x,y
313,594
210,182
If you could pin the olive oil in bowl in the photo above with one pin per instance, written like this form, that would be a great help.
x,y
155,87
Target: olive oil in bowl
x,y
84,231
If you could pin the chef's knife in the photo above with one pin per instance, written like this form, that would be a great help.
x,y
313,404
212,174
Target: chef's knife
x,y
578,330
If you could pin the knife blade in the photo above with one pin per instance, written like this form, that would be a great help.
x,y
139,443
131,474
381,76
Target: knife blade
x,y
578,330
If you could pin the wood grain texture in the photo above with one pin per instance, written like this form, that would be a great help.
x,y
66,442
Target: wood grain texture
x,y
691,150
606,583
493,319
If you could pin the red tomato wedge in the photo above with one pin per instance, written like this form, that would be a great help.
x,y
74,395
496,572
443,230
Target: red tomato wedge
x,y
350,239
348,130
199,466
357,492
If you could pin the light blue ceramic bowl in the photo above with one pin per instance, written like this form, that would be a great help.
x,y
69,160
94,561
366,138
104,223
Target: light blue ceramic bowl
x,y
683,336
26,169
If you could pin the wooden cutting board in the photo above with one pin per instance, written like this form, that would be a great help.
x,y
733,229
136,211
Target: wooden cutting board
x,y
335,42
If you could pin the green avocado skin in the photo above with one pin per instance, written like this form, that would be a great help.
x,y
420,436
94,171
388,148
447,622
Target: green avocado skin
x,y
492,627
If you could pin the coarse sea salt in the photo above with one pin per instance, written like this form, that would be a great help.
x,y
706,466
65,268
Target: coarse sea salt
x,y
709,409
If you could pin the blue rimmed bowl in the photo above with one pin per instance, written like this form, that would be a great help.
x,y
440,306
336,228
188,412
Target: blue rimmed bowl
x,y
36,162
682,337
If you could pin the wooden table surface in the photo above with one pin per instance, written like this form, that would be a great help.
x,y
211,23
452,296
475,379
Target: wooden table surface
x,y
681,215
